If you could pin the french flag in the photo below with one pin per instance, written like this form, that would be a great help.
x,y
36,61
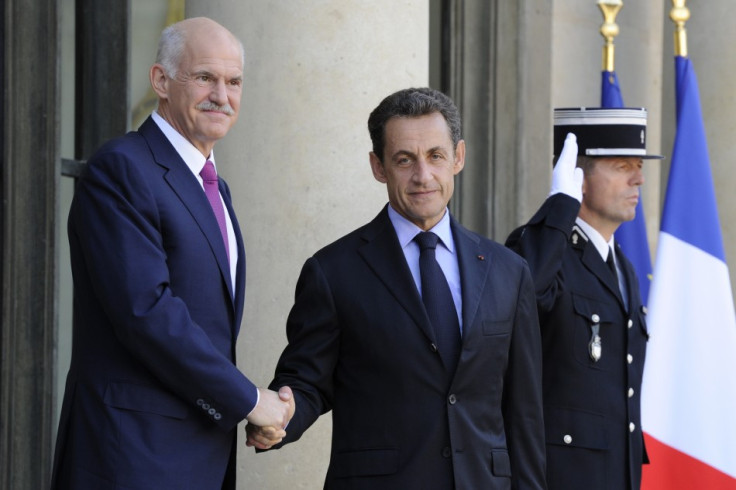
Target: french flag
x,y
689,391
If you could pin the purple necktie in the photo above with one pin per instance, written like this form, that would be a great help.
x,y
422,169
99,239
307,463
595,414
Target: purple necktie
x,y
209,178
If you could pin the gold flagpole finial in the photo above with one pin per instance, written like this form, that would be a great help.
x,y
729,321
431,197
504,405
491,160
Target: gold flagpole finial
x,y
609,29
679,15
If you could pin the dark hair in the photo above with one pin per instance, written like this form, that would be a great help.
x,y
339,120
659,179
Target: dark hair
x,y
412,102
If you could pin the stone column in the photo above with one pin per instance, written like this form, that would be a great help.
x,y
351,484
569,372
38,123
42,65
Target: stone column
x,y
297,164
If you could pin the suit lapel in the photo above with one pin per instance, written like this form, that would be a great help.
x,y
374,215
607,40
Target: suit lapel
x,y
594,263
384,256
474,267
180,178
238,291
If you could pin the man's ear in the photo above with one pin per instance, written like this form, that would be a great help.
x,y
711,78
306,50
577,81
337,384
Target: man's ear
x,y
159,81
459,163
379,172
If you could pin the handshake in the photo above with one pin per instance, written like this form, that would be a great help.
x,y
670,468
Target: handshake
x,y
267,422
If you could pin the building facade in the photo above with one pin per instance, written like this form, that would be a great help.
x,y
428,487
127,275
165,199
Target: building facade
x,y
297,160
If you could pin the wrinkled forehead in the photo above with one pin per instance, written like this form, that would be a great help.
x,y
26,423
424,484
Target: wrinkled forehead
x,y
214,48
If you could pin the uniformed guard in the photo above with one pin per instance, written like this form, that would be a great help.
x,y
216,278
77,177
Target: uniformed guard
x,y
592,320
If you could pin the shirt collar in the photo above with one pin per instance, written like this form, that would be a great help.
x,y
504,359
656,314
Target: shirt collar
x,y
406,230
191,156
598,241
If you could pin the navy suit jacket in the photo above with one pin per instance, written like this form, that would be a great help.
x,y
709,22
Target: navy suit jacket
x,y
153,395
361,345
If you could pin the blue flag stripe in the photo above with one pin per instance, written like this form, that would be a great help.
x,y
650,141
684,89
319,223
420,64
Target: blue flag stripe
x,y
690,211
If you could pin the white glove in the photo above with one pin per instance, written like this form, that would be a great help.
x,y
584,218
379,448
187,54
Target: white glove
x,y
567,178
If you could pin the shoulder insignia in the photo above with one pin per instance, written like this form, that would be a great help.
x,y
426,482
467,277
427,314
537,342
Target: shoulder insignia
x,y
577,235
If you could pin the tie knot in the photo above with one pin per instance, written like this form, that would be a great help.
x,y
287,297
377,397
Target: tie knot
x,y
208,173
426,240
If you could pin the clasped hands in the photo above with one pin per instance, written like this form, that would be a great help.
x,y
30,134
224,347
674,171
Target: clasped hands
x,y
268,420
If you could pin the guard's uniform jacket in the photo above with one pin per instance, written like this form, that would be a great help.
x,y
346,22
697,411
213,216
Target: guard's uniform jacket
x,y
592,386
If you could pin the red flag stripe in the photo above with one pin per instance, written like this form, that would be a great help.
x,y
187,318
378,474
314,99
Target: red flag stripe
x,y
670,469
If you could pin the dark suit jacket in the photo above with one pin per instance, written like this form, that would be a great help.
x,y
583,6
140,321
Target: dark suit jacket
x,y
591,408
360,344
153,395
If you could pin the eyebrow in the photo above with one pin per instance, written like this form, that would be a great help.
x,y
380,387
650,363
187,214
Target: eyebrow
x,y
214,75
434,149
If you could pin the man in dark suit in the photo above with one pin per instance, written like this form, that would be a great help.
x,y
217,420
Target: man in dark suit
x,y
593,323
153,395
417,402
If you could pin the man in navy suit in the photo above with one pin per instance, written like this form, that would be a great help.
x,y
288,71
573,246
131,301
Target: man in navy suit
x,y
593,324
153,395
409,410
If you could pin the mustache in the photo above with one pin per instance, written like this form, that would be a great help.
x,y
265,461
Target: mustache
x,y
211,106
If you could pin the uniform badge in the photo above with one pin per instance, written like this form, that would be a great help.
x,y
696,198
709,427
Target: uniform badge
x,y
595,346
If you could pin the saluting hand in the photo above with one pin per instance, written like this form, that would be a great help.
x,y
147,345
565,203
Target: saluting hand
x,y
567,177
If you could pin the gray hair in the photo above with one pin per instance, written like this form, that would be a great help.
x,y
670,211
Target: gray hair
x,y
171,48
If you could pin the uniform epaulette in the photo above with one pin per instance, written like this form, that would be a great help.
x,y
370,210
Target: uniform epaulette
x,y
577,235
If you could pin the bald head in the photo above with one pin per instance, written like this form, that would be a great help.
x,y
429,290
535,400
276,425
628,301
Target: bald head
x,y
177,37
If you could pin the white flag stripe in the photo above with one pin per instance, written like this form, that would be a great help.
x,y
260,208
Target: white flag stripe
x,y
689,390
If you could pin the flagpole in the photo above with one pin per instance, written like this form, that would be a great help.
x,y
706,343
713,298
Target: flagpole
x,y
609,30
679,15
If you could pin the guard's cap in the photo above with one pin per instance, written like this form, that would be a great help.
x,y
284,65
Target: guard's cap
x,y
603,132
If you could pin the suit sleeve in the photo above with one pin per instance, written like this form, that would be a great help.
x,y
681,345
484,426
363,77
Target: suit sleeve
x,y
309,359
115,227
522,399
542,242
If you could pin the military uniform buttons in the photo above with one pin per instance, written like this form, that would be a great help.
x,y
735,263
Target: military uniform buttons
x,y
631,392
567,438
452,399
595,318
631,323
629,358
632,427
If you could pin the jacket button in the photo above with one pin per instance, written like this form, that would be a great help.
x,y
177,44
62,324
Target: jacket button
x,y
632,427
217,416
631,392
631,323
433,347
446,452
567,438
211,411
452,399
199,402
595,318
205,406
629,358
